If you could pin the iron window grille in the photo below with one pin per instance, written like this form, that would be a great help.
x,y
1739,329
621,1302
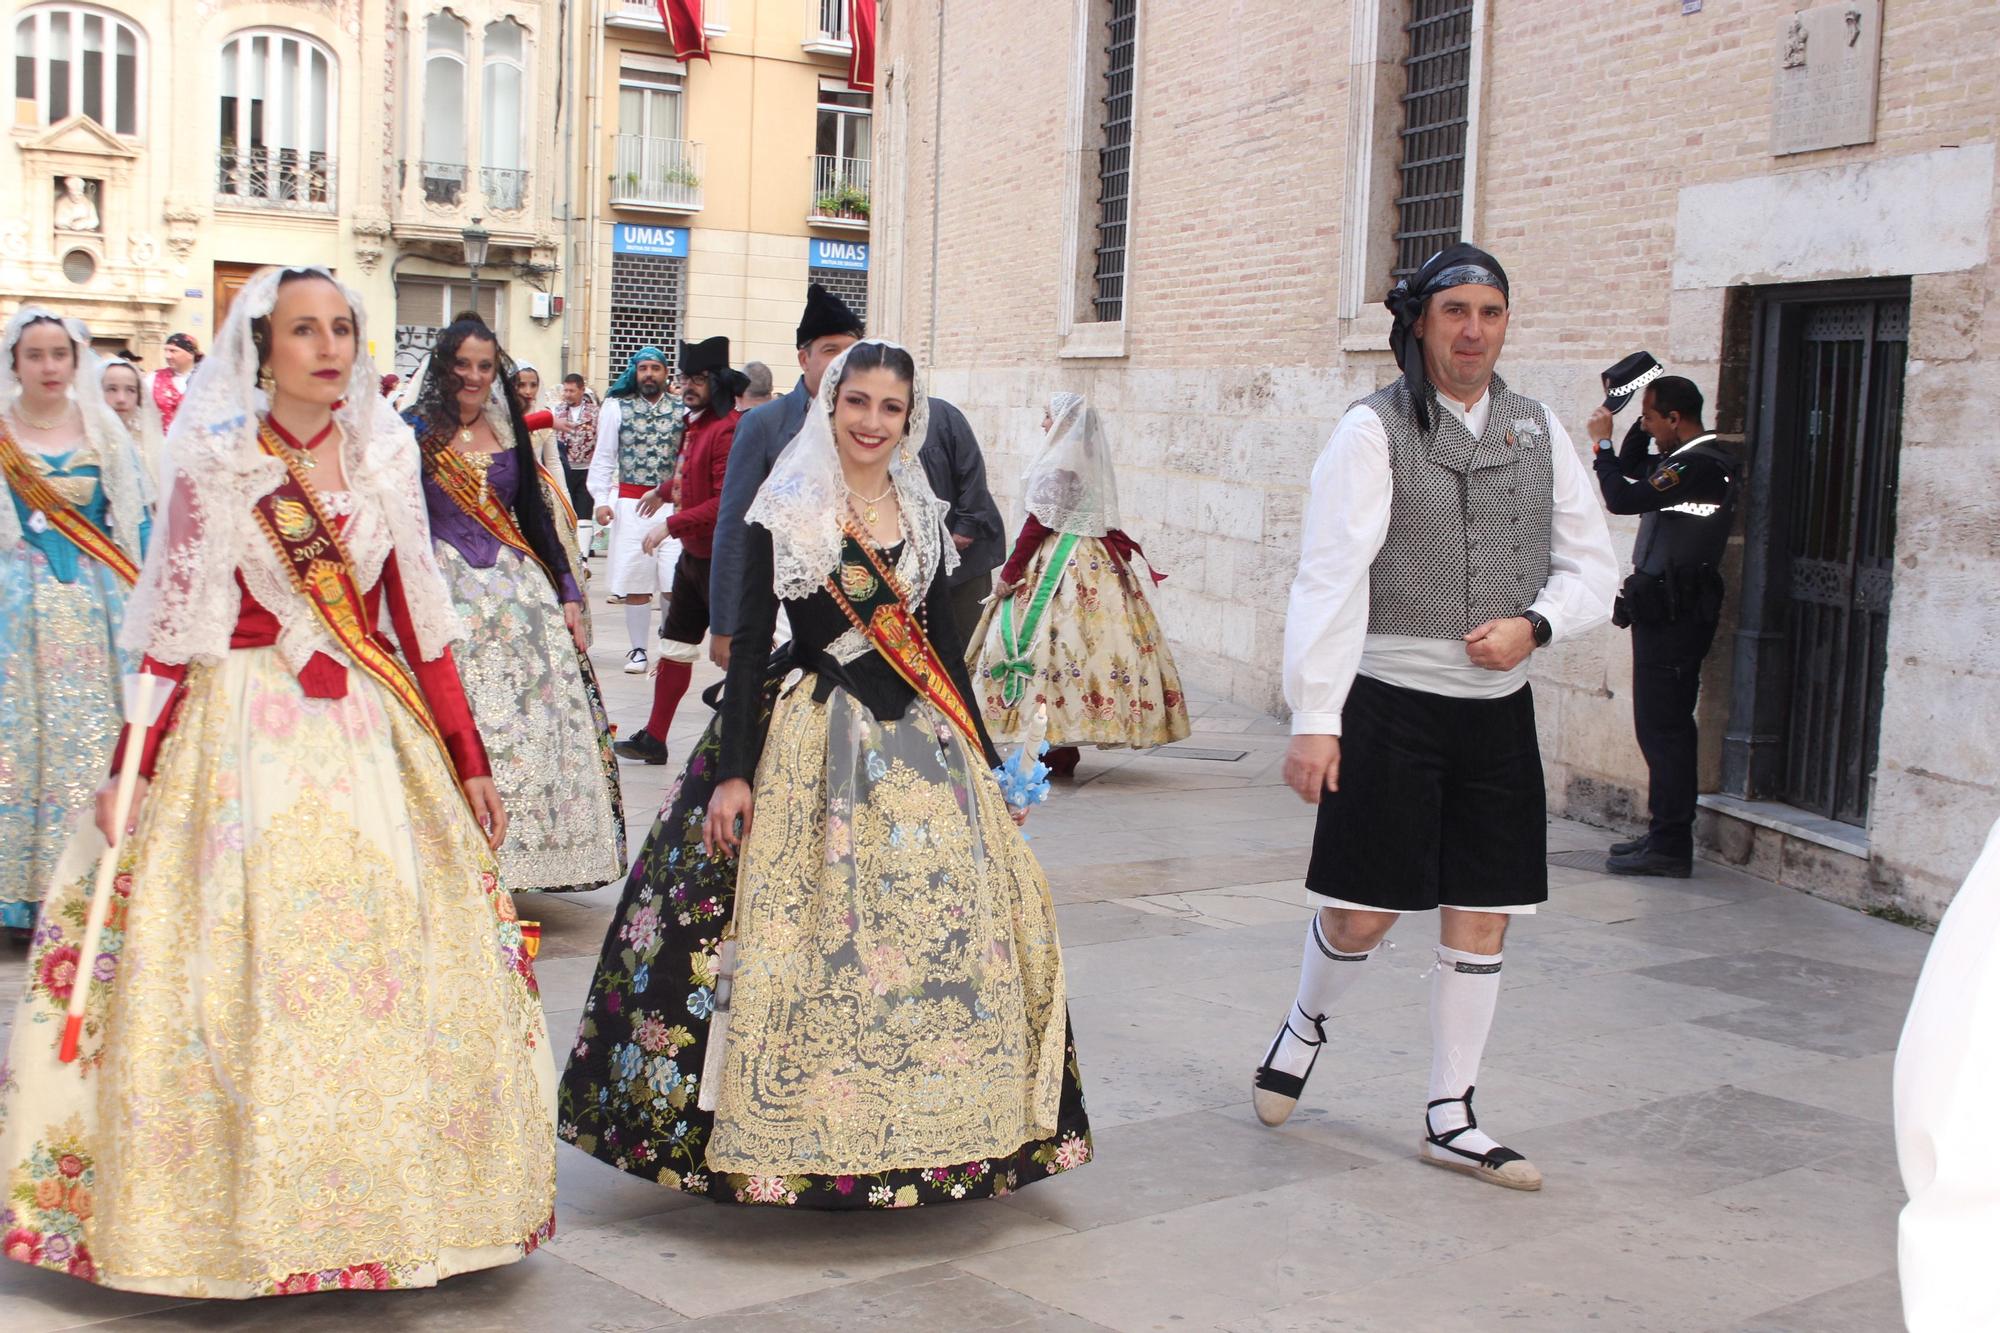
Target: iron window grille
x,y
1430,206
1114,161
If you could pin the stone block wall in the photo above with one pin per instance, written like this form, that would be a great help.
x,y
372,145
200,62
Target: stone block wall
x,y
1623,176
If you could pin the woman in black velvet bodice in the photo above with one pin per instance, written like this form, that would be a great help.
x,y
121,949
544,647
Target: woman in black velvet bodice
x,y
817,622
899,1030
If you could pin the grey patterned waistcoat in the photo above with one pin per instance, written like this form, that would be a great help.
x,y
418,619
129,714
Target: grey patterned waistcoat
x,y
1469,524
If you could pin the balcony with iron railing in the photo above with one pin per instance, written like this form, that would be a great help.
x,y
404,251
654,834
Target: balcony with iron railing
x,y
840,192
826,28
663,174
291,179
505,189
442,183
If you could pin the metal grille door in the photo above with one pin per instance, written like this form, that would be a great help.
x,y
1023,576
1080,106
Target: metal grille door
x,y
1430,207
1114,162
1842,503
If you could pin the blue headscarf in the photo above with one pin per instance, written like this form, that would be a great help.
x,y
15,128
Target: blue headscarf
x,y
628,383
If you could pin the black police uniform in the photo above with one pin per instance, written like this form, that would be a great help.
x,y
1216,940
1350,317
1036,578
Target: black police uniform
x,y
1671,602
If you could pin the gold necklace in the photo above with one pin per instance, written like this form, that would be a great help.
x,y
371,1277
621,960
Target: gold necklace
x,y
868,513
465,434
21,413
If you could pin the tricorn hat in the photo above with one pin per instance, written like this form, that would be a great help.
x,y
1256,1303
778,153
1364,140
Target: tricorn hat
x,y
702,357
1625,379
826,314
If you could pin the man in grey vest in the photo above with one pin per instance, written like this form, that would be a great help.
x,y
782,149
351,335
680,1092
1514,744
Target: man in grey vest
x,y
1452,531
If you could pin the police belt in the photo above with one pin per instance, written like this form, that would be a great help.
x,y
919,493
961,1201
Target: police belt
x,y
1683,592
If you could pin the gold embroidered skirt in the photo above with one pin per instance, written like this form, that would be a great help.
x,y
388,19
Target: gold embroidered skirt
x,y
899,999
316,1059
1098,659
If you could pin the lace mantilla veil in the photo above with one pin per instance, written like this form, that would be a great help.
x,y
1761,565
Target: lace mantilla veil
x,y
1070,485
802,500
186,604
123,476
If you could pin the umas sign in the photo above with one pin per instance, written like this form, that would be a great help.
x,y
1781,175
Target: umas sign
x,y
630,238
840,254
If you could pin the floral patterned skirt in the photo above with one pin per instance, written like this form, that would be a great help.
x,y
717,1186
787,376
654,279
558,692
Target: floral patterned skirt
x,y
59,712
315,1058
544,726
629,1095
1098,659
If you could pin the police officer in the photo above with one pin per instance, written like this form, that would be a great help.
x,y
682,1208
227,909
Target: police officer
x,y
1672,600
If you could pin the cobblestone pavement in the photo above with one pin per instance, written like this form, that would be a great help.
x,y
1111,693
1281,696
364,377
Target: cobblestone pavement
x,y
1700,1067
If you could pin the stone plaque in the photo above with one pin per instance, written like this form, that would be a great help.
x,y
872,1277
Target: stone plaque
x,y
1829,61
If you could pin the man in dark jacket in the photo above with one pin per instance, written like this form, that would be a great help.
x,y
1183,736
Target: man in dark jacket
x,y
1671,602
957,472
827,329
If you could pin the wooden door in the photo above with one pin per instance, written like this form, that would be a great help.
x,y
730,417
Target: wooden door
x,y
229,280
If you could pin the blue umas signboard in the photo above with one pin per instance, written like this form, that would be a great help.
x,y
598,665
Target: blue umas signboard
x,y
852,255
631,238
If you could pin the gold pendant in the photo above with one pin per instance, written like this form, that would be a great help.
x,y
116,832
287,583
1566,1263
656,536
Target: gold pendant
x,y
869,514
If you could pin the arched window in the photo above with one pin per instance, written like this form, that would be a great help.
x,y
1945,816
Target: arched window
x,y
443,163
72,58
503,90
277,117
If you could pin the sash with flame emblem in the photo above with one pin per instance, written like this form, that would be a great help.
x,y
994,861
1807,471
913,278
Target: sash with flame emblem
x,y
460,479
41,498
319,567
894,632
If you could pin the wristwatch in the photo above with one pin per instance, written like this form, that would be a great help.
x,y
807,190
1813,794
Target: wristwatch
x,y
1604,445
1544,631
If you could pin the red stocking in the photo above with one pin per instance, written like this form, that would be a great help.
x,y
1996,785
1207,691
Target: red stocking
x,y
669,685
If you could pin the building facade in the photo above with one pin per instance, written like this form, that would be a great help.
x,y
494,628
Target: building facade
x,y
716,189
166,149
1791,203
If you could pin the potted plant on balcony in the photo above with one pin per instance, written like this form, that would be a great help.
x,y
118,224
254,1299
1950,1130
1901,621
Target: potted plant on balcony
x,y
848,200
683,177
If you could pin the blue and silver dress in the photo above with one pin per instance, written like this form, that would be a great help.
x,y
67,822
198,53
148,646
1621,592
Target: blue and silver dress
x,y
60,669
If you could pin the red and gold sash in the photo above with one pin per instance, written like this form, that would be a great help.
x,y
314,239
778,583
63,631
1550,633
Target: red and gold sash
x,y
466,487
319,567
561,494
39,496
895,634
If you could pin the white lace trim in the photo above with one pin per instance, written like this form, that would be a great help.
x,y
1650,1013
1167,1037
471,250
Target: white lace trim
x,y
186,606
802,500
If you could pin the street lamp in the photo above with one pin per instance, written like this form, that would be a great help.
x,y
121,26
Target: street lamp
x,y
475,239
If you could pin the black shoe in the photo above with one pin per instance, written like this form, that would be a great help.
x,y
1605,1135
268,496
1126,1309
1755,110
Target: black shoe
x,y
1630,845
1649,862
640,745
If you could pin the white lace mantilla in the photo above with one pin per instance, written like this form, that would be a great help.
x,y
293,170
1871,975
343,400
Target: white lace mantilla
x,y
186,605
802,500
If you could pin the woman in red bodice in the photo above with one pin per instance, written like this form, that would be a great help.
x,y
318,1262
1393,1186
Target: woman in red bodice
x,y
313,1054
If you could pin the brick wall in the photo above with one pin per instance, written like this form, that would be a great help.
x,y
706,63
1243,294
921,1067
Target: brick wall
x,y
1239,363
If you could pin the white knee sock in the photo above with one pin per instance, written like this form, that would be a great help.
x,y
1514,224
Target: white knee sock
x,y
1465,987
1325,974
637,620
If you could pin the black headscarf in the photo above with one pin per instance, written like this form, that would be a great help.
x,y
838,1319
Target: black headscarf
x,y
1452,267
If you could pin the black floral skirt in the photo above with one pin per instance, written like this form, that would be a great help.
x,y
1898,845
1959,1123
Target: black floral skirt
x,y
628,1096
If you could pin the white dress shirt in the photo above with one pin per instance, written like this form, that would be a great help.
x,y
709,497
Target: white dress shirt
x,y
1346,519
603,479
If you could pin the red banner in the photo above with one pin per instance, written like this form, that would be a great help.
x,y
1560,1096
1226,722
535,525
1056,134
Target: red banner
x,y
861,32
684,28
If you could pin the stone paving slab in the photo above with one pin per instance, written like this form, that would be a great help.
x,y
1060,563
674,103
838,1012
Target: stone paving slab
x,y
1701,1068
